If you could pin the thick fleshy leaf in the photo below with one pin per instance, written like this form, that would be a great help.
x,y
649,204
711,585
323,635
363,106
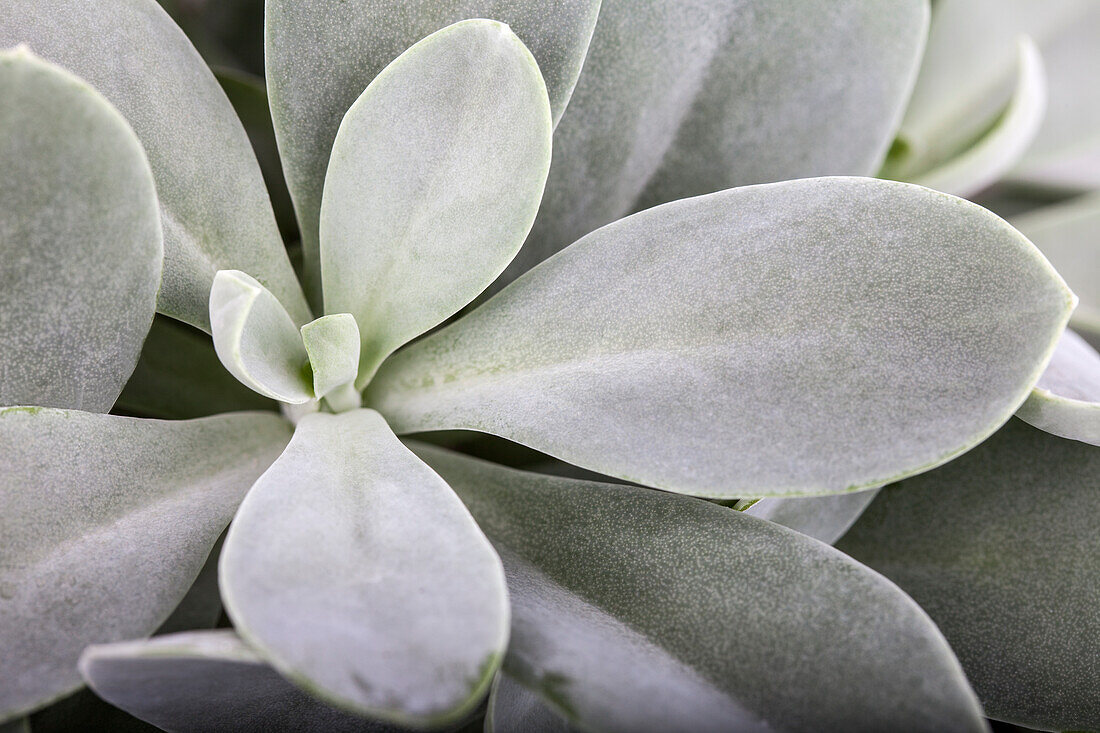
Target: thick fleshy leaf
x,y
332,343
435,178
80,240
359,574
515,709
639,610
179,376
824,518
1069,235
1000,548
1066,400
256,339
321,54
106,522
201,606
968,74
684,98
812,336
208,681
1000,148
214,208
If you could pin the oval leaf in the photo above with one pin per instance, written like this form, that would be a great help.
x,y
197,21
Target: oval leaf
x,y
256,339
209,681
1069,234
332,343
435,178
359,575
80,240
1000,548
824,518
678,99
1066,400
639,610
999,149
106,522
214,207
813,336
321,54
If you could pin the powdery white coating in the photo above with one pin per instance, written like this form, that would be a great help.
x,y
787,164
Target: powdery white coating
x,y
1066,400
1066,152
257,340
637,610
332,343
357,573
208,681
214,207
998,150
515,709
1000,548
824,518
1067,234
805,337
106,522
80,240
435,178
689,97
321,55
967,74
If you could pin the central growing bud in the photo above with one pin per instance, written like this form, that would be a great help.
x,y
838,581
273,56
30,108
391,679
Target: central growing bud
x,y
260,344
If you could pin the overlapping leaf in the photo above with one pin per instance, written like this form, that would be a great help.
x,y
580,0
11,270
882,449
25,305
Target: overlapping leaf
x,y
1066,400
678,99
435,178
321,55
806,337
106,522
80,240
640,610
1000,548
215,211
358,573
824,518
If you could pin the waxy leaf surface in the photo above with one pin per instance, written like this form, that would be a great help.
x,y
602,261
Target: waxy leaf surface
x,y
807,337
80,240
1000,548
208,681
824,518
106,522
358,573
435,178
684,98
322,54
638,610
1066,400
215,210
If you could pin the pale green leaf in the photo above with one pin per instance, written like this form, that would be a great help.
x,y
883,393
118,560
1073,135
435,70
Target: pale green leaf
x,y
684,98
806,337
106,522
321,54
435,178
208,681
515,709
332,343
201,606
1002,146
824,518
637,610
1066,400
179,376
1000,548
256,339
358,574
968,74
1069,235
80,240
214,208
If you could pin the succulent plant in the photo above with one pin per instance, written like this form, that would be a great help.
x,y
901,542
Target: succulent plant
x,y
642,244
